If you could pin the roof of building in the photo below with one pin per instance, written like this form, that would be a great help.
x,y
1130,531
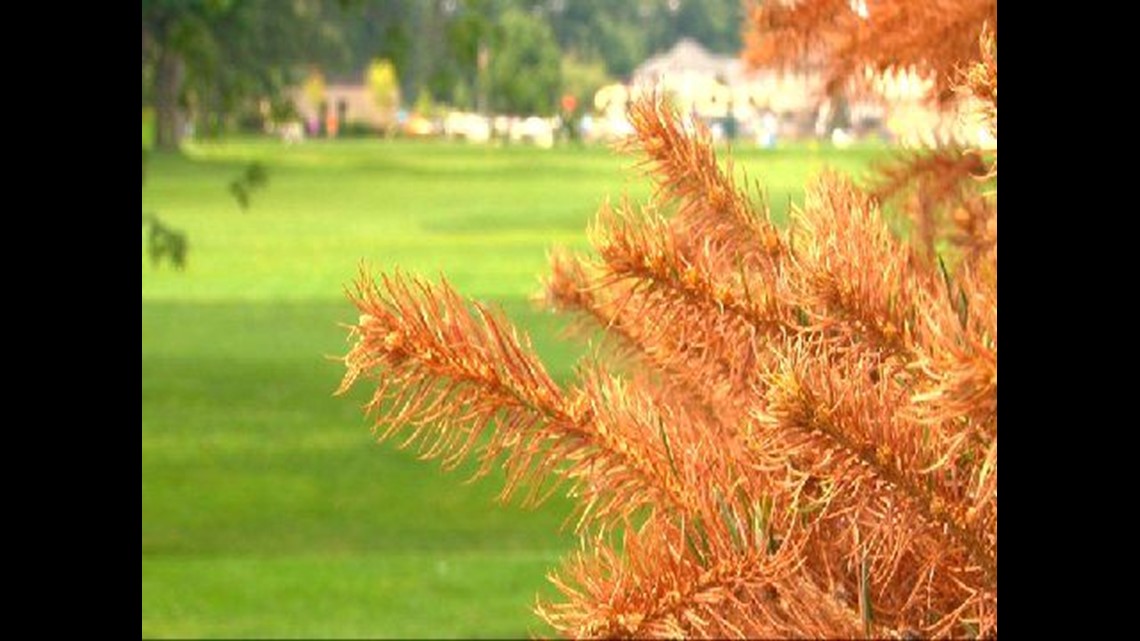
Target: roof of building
x,y
687,56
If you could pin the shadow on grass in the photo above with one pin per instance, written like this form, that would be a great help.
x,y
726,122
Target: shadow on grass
x,y
268,510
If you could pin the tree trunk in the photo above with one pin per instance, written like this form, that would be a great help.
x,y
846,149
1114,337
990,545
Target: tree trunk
x,y
168,81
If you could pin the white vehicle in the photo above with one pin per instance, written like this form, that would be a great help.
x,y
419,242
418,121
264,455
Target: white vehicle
x,y
468,126
539,131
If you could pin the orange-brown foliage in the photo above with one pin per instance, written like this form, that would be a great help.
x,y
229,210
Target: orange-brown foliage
x,y
953,42
937,37
798,439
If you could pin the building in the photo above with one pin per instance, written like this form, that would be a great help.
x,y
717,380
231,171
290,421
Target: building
x,y
710,85
722,91
770,103
343,102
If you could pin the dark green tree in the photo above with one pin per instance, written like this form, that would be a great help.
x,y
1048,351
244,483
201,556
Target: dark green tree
x,y
525,65
470,29
624,33
713,23
432,43
208,60
163,242
377,30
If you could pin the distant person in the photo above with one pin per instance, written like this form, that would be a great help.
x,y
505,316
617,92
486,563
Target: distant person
x,y
586,127
768,133
332,124
292,132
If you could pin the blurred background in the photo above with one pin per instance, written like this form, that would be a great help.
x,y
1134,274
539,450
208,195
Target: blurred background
x,y
285,143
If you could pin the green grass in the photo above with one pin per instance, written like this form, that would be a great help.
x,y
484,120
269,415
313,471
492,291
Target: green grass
x,y
268,510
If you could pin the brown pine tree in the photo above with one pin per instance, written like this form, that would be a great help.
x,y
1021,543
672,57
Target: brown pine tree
x,y
857,40
798,436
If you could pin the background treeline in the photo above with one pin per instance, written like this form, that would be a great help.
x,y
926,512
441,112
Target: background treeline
x,y
215,60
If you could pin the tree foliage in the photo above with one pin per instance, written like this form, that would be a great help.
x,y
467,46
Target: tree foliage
x,y
937,38
582,79
525,66
623,34
165,243
794,432
384,86
209,60
435,45
251,179
952,43
314,87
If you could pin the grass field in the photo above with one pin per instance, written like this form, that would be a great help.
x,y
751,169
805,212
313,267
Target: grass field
x,y
268,510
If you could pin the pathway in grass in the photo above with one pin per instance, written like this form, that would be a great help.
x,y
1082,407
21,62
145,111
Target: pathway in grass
x,y
267,508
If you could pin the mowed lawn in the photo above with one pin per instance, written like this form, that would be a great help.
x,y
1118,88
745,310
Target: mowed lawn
x,y
268,509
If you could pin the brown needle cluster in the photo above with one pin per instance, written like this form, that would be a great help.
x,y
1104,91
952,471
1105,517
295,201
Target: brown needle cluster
x,y
935,37
947,193
797,436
